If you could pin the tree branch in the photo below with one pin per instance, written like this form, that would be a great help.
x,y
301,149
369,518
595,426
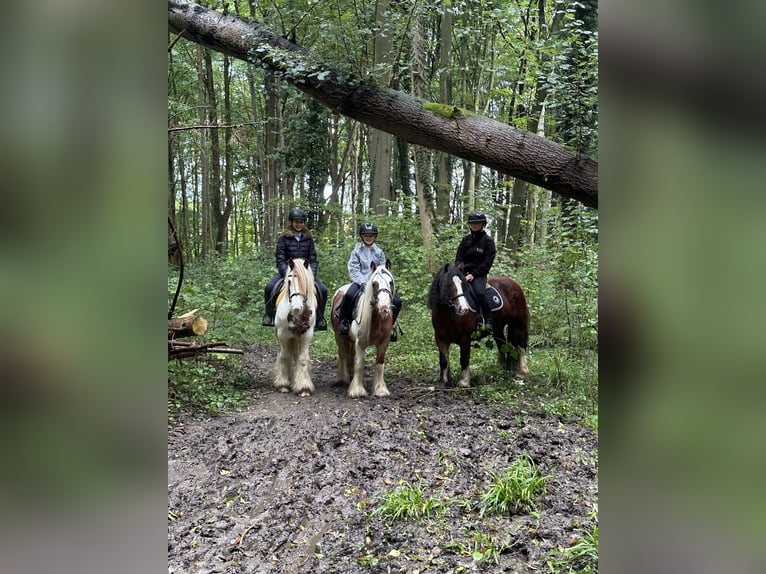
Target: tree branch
x,y
211,127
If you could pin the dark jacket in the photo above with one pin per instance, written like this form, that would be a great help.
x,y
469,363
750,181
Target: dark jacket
x,y
477,253
289,247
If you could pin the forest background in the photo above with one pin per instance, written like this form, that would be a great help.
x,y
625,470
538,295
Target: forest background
x,y
245,146
681,182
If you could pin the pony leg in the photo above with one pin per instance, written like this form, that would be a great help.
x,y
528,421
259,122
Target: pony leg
x,y
443,364
345,361
302,385
357,383
282,372
523,370
379,388
465,372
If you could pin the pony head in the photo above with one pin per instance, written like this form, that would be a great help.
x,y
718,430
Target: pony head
x,y
377,298
299,290
448,289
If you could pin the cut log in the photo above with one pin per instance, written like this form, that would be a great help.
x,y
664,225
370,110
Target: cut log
x,y
186,326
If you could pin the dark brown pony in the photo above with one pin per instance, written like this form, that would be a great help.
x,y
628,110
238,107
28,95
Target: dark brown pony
x,y
454,317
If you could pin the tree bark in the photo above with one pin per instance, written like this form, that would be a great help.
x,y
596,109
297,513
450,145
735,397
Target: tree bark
x,y
470,136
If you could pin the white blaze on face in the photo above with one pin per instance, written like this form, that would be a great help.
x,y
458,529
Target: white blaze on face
x,y
460,301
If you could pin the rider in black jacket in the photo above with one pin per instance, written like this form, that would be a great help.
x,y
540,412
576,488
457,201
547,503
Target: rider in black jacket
x,y
296,241
476,252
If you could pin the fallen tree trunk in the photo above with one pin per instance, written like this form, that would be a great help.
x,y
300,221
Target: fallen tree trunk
x,y
441,127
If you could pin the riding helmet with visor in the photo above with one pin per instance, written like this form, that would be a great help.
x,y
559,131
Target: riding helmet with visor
x,y
296,213
477,217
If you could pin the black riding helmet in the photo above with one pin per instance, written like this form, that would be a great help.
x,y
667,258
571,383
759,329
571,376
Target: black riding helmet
x,y
368,228
296,213
477,216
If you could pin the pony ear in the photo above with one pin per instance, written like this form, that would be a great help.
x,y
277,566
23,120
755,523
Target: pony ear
x,y
446,268
291,263
373,267
306,263
460,266
388,264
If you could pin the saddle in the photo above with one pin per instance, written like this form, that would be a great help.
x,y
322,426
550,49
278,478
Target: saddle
x,y
493,296
276,292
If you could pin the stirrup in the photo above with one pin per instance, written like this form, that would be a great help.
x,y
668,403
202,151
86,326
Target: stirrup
x,y
321,324
268,321
343,327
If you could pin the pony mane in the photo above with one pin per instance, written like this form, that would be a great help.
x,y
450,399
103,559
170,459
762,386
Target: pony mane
x,y
439,294
306,280
365,307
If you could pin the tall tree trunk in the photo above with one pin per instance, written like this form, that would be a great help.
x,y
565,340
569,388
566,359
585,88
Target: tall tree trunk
x,y
271,190
443,182
381,142
422,155
258,184
203,157
215,152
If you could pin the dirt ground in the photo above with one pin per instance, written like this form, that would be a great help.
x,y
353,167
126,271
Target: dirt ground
x,y
289,484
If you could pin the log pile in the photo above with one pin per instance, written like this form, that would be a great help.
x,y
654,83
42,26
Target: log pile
x,y
191,325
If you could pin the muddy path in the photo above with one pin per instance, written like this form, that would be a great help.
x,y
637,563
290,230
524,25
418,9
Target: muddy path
x,y
289,484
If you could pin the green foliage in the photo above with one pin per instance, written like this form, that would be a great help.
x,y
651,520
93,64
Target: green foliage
x,y
227,292
579,558
408,501
514,491
204,386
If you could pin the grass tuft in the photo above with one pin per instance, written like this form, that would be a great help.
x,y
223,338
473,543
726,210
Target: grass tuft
x,y
514,491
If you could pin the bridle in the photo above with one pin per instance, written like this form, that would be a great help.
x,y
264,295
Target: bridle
x,y
460,293
374,297
298,293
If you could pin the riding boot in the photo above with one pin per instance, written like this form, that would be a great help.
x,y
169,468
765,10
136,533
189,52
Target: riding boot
x,y
268,317
487,315
343,314
321,324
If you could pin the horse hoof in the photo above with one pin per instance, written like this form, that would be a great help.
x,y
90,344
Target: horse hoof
x,y
304,394
284,390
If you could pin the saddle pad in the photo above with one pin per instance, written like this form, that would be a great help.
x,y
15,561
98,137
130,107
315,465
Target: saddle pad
x,y
281,294
494,298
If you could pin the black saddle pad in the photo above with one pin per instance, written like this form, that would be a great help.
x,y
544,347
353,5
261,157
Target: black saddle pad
x,y
494,298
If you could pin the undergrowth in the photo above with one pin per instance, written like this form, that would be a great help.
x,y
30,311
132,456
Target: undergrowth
x,y
561,295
